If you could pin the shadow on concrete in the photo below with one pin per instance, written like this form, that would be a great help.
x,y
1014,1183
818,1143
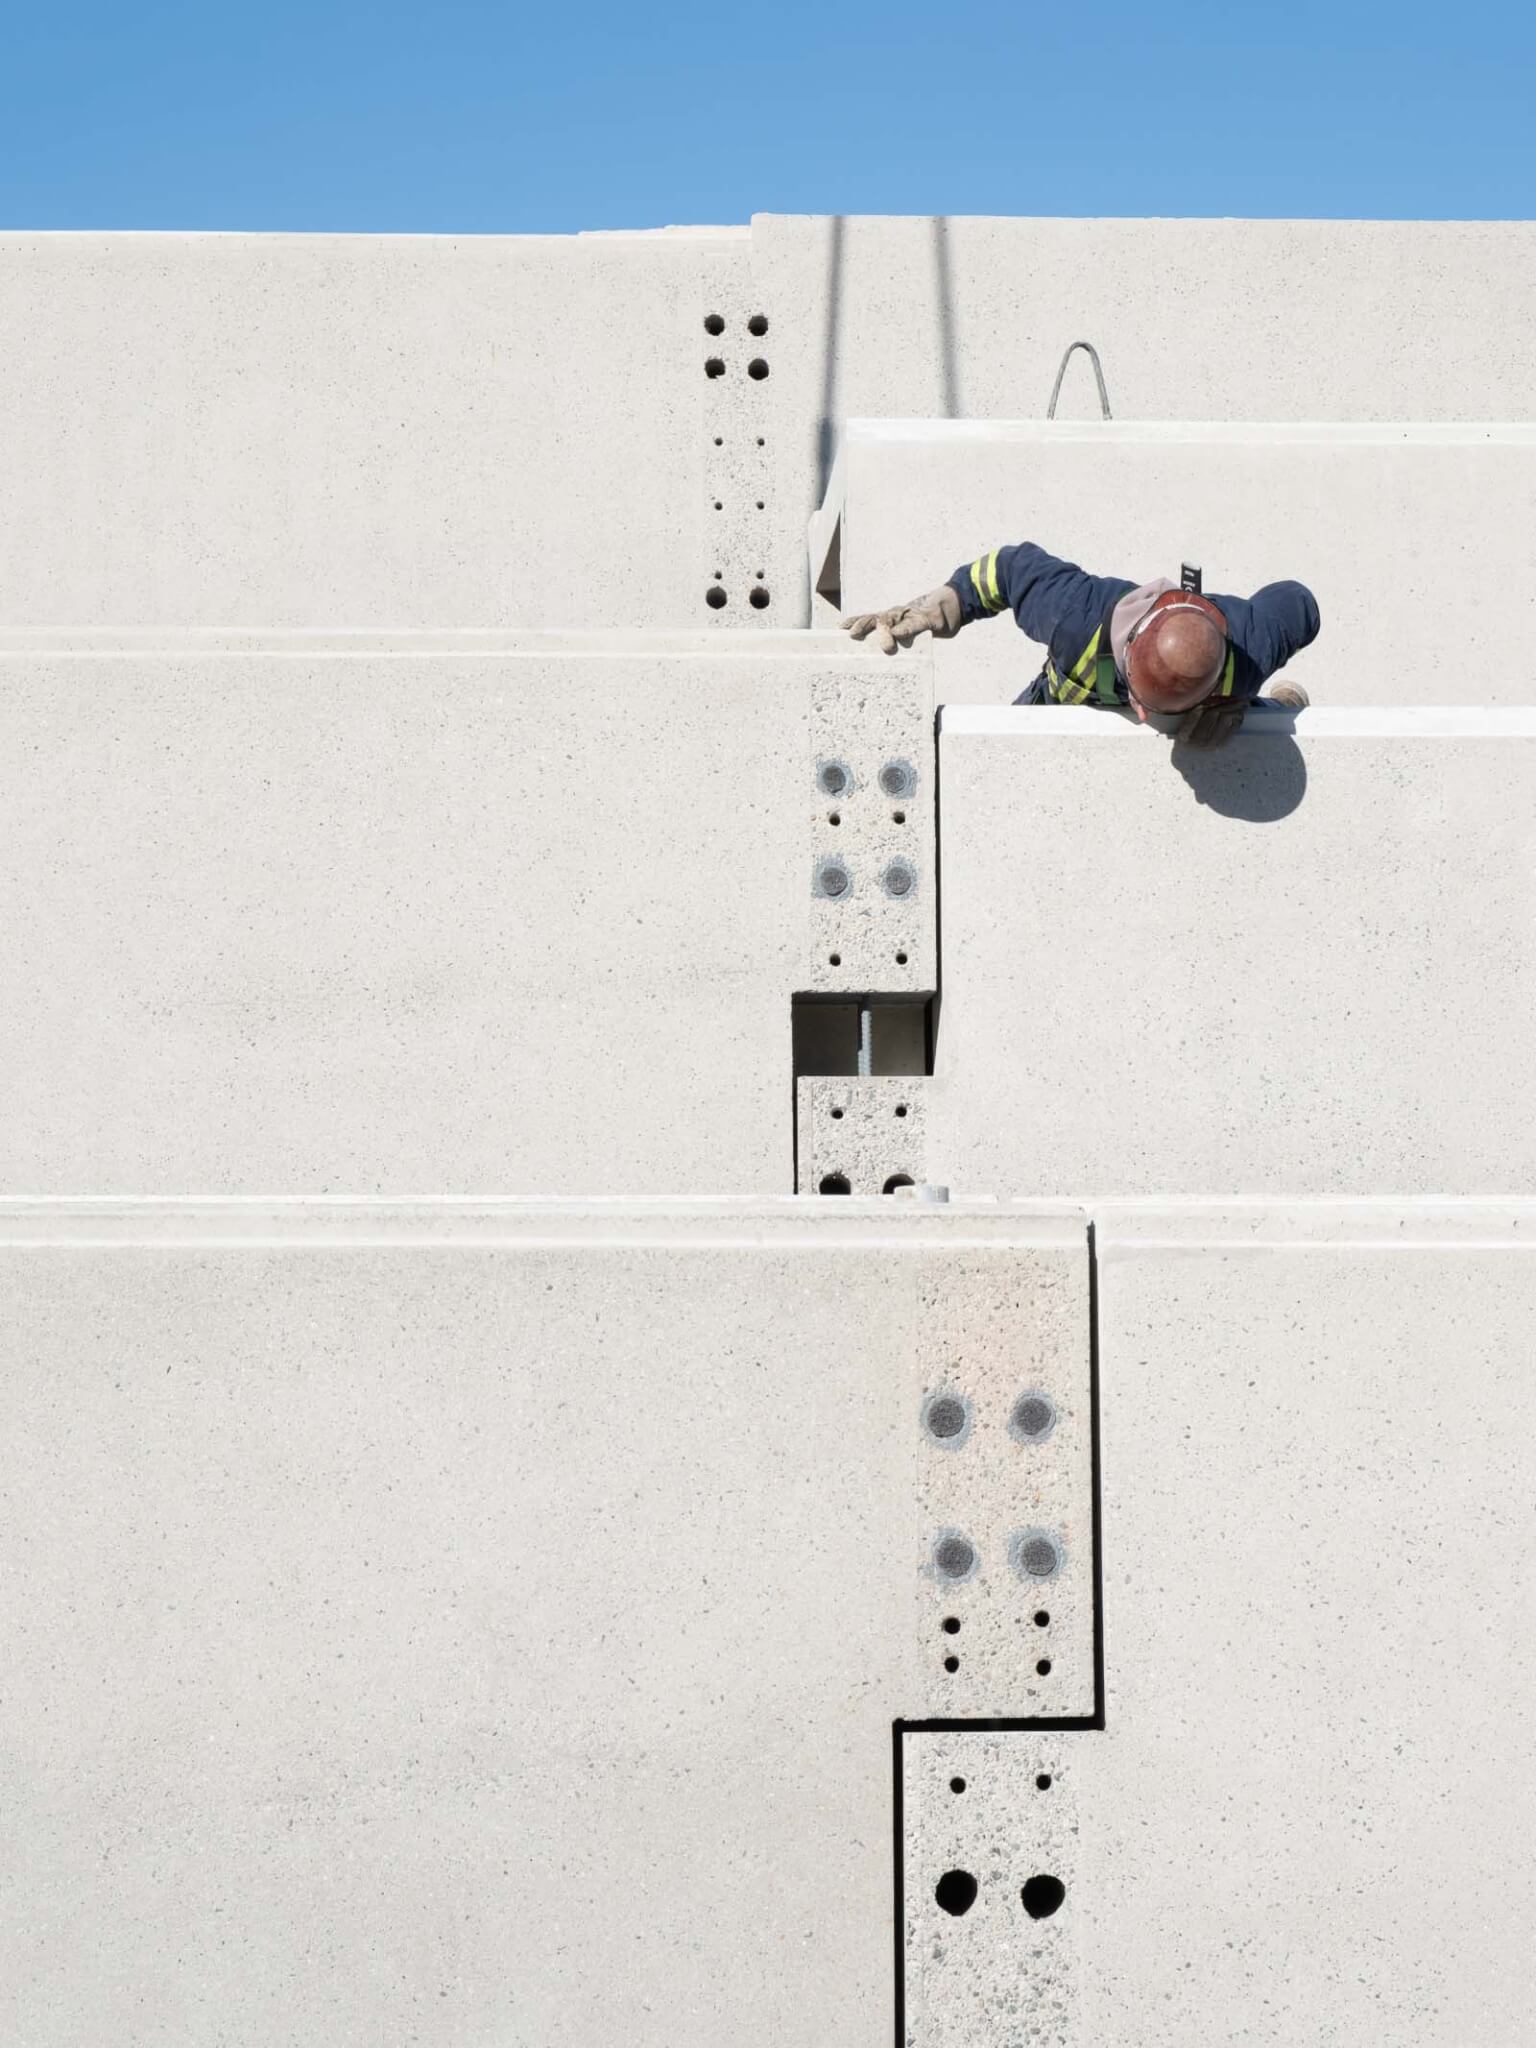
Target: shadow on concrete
x,y
1261,777
944,291
826,425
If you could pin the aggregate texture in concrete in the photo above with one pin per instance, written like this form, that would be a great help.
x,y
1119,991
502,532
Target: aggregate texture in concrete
x,y
1298,965
860,1135
1386,524
524,917
487,1622
632,429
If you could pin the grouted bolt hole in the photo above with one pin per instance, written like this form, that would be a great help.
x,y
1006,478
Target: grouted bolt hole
x,y
1043,1782
715,597
1042,1619
1043,1896
714,323
758,598
833,777
835,1184
950,1624
951,1663
956,1892
714,366
1044,1667
758,324
945,1418
957,1784
954,1557
897,1180
757,369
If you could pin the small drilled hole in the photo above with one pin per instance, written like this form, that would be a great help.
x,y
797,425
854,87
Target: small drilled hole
x,y
758,599
757,369
950,1624
901,959
1043,1896
834,817
715,366
714,323
719,440
951,1663
957,1784
956,1892
835,1184
1043,1782
837,1116
758,324
715,597
1042,1619
761,442
759,504
900,817
901,1109
1044,1667
834,959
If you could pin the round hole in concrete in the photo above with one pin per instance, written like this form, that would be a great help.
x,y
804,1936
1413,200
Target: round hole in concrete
x,y
833,878
901,959
833,777
951,1663
834,817
1044,1667
950,1624
714,323
757,369
837,1116
761,442
954,1557
758,324
1043,1896
899,817
1043,1782
758,597
945,1417
957,1784
835,1184
834,959
901,1109
898,879
719,505
719,440
956,1892
714,366
715,597
898,778
1042,1619
760,505
1036,1554
1033,1418
897,1180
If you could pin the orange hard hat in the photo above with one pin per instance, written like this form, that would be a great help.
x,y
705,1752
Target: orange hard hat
x,y
1174,657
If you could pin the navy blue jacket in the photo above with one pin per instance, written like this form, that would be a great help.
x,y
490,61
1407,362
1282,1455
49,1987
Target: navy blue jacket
x,y
1062,606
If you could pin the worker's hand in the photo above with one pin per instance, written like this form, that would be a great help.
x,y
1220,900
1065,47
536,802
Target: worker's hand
x,y
938,613
1211,724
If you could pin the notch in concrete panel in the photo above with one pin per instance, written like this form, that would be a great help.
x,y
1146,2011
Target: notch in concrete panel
x,y
871,875
988,1884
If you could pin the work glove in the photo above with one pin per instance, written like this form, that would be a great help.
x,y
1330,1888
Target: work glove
x,y
938,613
1211,724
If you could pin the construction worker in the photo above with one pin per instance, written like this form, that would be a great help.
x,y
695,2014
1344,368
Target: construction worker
x,y
1148,647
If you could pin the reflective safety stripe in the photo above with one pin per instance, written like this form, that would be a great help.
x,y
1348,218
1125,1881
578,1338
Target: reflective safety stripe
x,y
1228,672
984,582
992,589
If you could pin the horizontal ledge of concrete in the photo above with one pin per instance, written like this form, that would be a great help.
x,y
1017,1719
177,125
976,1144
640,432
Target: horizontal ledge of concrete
x,y
1365,721
410,643
1214,433
777,1224
1132,1227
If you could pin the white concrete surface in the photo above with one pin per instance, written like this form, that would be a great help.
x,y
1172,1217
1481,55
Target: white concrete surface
x,y
487,1623
1306,1818
521,920
1295,966
1395,528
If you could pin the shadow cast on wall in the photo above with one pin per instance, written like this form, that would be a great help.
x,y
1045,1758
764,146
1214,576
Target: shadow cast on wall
x,y
1261,779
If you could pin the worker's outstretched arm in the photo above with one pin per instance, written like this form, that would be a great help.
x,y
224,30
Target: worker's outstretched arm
x,y
1037,588
1272,625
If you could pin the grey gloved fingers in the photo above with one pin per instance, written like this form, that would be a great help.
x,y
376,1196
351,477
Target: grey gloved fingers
x,y
858,624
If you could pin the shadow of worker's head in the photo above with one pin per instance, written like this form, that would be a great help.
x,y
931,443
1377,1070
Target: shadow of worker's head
x,y
1259,776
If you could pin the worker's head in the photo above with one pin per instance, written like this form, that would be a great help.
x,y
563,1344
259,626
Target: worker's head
x,y
1174,658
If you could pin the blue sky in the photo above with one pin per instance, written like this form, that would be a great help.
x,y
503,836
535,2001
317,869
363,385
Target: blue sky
x,y
453,115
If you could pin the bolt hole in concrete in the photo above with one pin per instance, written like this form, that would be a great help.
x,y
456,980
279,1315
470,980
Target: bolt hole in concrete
x,y
719,440
835,960
1042,1619
760,505
757,369
714,323
833,777
759,599
1033,1417
714,597
1043,1782
897,879
835,1184
951,1663
897,1180
1044,1667
957,1784
897,778
837,1116
1036,1555
899,817
758,324
901,1109
719,505
761,442
834,817
901,959
1043,1896
950,1624
714,366
945,1417
956,1892
954,1557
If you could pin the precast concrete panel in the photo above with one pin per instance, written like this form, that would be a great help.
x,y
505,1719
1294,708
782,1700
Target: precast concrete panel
x,y
1295,965
489,1622
1380,521
519,915
969,318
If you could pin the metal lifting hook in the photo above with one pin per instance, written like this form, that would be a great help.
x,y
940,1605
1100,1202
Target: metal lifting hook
x,y
1098,375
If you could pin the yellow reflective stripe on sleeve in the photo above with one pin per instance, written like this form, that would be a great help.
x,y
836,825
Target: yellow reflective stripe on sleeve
x,y
980,589
1228,673
992,581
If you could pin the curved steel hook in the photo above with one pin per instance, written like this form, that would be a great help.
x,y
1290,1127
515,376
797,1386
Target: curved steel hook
x,y
1098,376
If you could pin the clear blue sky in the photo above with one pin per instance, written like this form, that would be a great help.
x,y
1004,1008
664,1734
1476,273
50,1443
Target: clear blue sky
x,y
454,115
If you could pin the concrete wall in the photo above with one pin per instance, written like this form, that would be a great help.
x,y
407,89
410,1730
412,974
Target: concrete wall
x,y
488,1624
1296,966
356,430
525,919
1393,527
